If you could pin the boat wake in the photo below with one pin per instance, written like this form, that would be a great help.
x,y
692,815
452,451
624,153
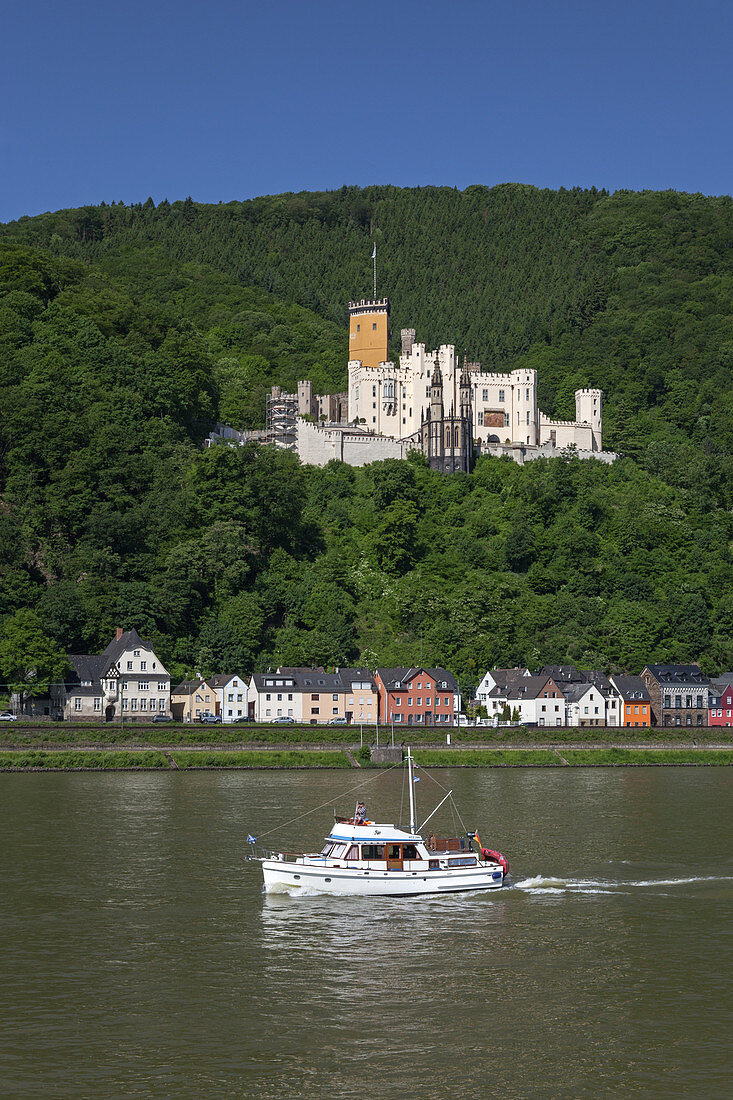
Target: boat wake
x,y
541,884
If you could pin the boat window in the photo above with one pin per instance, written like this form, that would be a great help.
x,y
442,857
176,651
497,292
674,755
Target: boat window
x,y
409,851
353,852
327,849
338,851
394,852
372,851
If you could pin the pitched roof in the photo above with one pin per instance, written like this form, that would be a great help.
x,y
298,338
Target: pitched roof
x,y
396,679
568,674
678,674
631,688
129,639
222,679
187,687
85,666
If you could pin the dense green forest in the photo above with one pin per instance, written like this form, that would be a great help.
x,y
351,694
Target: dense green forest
x,y
126,332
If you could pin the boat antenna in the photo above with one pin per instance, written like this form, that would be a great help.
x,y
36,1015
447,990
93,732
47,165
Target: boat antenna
x,y
412,790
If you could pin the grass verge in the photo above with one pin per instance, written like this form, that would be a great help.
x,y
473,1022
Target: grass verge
x,y
93,760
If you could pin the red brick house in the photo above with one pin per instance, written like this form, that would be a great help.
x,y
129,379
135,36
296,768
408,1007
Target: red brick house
x,y
417,696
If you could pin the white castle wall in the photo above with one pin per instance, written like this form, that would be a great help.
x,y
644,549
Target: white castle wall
x,y
316,446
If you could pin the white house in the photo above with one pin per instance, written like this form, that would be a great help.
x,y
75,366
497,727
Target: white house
x,y
275,695
127,679
231,694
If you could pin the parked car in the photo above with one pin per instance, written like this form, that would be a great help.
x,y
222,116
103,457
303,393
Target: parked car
x,y
209,719
284,720
6,716
244,718
163,718
338,722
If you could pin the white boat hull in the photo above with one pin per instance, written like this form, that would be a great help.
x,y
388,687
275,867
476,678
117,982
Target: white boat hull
x,y
300,877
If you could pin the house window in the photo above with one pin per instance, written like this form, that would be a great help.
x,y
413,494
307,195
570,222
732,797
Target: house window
x,y
230,698
161,685
129,666
267,713
143,685
317,697
143,704
143,666
136,652
315,710
239,698
161,705
409,701
97,704
267,697
77,704
133,703
334,697
398,701
668,701
124,704
290,697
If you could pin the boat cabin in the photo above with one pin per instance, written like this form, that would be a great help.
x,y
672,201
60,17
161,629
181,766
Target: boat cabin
x,y
384,847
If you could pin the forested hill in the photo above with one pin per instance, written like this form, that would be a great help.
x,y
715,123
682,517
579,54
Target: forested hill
x,y
630,292
126,331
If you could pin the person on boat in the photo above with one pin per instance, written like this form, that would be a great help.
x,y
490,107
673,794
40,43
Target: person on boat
x,y
360,815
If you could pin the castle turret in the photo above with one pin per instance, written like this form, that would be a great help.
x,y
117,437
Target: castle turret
x,y
589,410
465,392
436,392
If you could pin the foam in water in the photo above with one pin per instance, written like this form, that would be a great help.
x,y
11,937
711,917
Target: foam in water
x,y
541,884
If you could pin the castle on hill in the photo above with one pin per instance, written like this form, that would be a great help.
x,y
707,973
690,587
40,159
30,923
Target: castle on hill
x,y
430,402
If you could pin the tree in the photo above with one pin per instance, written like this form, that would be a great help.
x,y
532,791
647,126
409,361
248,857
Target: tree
x,y
30,661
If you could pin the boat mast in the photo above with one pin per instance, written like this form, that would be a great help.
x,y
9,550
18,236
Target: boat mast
x,y
412,791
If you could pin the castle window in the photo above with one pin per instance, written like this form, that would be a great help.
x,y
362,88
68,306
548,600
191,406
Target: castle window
x,y
527,395
486,396
374,327
374,391
358,328
528,418
501,395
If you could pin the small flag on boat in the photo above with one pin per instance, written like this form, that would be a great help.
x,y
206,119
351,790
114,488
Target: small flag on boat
x,y
251,839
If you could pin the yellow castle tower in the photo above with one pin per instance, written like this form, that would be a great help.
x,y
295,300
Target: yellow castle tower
x,y
369,331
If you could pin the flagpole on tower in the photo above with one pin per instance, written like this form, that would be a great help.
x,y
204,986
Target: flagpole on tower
x,y
374,258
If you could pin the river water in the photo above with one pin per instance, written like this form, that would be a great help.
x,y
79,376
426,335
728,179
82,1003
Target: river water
x,y
140,957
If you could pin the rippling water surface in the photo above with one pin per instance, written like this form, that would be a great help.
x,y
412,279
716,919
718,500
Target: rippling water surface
x,y
141,958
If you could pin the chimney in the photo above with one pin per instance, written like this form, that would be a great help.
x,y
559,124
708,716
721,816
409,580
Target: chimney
x,y
119,633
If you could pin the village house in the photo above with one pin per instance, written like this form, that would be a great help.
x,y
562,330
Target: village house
x,y
230,696
192,698
636,707
533,700
679,694
720,709
417,696
126,680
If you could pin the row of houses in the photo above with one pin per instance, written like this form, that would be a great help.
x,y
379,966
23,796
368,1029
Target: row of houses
x,y
128,681
562,695
402,696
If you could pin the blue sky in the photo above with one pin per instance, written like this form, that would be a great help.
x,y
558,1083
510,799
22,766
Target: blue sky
x,y
225,100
